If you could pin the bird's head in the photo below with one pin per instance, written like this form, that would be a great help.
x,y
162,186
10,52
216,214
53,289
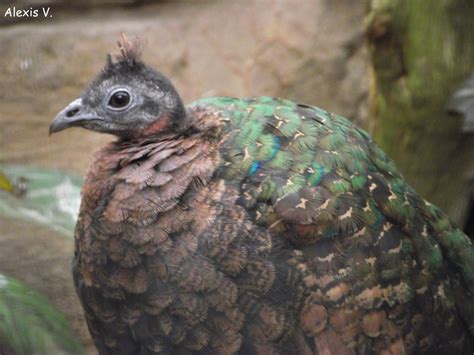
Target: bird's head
x,y
127,99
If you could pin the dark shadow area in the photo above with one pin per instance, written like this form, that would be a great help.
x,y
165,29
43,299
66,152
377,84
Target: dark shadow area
x,y
469,226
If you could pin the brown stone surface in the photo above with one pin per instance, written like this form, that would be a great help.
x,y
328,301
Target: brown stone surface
x,y
310,51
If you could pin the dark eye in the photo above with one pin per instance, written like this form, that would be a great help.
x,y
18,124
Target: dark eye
x,y
119,99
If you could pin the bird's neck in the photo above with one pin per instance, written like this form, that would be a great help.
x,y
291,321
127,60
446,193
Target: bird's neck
x,y
156,128
185,123
161,167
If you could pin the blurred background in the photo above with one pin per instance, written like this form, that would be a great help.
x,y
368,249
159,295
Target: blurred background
x,y
398,68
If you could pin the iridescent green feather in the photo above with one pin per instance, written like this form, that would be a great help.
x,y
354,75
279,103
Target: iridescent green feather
x,y
289,149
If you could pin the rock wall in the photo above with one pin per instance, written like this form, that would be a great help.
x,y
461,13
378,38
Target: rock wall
x,y
310,51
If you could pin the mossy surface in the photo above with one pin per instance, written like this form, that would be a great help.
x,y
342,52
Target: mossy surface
x,y
420,52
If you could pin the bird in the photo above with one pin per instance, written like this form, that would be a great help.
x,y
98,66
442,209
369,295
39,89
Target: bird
x,y
254,226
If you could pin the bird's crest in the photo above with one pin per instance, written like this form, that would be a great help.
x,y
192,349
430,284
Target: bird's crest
x,y
130,51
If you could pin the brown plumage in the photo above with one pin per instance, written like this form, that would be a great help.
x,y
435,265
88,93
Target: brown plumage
x,y
255,226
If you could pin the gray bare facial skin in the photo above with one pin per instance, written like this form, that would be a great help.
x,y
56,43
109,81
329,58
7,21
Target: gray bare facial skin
x,y
145,97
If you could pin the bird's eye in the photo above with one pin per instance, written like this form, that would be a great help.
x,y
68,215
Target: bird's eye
x,y
119,99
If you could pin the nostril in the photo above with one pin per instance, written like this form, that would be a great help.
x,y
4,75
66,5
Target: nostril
x,y
72,112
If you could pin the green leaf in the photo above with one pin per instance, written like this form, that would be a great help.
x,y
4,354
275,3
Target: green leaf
x,y
52,197
29,324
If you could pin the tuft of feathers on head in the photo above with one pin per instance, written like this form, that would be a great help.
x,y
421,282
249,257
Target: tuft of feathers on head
x,y
130,51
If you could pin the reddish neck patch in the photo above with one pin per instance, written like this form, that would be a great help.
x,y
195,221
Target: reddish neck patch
x,y
156,127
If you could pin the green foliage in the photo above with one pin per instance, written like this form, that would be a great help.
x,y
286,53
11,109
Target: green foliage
x,y
29,324
52,197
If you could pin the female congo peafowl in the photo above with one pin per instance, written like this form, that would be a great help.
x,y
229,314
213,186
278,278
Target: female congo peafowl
x,y
255,226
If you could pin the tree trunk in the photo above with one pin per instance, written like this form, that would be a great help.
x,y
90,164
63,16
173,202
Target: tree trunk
x,y
421,51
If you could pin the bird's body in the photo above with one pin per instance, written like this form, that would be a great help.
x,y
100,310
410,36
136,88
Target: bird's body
x,y
261,226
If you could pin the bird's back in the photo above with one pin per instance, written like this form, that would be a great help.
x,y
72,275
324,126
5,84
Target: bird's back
x,y
272,228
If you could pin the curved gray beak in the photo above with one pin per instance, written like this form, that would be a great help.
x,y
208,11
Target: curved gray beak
x,y
73,115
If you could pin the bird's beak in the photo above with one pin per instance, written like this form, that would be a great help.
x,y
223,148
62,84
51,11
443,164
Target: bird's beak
x,y
73,115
